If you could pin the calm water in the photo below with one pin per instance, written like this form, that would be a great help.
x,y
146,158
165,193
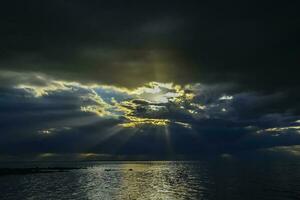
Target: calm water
x,y
225,178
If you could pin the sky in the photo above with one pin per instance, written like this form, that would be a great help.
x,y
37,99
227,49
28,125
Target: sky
x,y
148,79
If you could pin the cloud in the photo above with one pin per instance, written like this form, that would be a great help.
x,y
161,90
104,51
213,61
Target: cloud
x,y
42,114
92,77
92,41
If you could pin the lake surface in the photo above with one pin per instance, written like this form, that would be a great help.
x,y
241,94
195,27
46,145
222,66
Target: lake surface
x,y
224,178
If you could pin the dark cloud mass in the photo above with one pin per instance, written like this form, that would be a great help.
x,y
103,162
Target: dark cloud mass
x,y
156,119
148,77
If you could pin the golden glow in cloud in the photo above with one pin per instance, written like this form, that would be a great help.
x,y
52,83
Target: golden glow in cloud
x,y
153,104
280,129
153,95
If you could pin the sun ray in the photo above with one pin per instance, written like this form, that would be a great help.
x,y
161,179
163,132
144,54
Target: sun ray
x,y
168,140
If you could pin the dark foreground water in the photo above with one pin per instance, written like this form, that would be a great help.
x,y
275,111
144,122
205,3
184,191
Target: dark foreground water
x,y
224,178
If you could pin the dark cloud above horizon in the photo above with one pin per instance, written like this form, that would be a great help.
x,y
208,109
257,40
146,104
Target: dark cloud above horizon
x,y
220,75
251,43
43,116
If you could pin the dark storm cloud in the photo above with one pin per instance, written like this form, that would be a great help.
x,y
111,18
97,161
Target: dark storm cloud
x,y
243,53
59,117
53,123
189,42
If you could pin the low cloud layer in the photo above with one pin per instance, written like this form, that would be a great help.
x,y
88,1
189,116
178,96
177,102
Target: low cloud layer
x,y
42,115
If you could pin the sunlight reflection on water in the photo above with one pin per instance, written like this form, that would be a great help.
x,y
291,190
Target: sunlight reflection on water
x,y
160,180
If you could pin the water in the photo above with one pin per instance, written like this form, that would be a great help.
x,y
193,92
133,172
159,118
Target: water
x,y
224,178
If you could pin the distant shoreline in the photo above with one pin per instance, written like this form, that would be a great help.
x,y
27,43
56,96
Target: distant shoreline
x,y
35,170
